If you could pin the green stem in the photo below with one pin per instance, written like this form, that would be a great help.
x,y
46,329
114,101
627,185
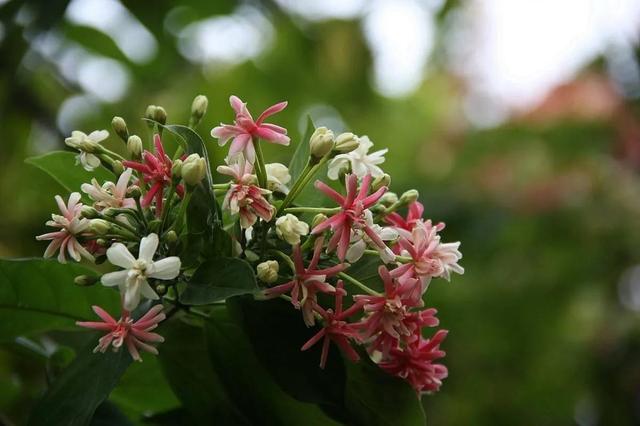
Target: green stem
x,y
224,186
307,174
178,152
284,257
141,212
358,284
179,220
261,171
167,206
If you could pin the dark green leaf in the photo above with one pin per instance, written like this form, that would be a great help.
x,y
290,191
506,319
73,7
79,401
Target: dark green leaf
x,y
61,165
38,295
276,323
374,398
73,398
218,279
301,155
108,414
248,383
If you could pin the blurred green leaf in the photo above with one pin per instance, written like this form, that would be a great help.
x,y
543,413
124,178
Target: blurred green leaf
x,y
73,398
248,383
218,279
301,154
374,398
61,165
186,366
38,295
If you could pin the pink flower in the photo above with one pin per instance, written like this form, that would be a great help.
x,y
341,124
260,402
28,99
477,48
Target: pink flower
x,y
244,198
110,194
430,257
156,170
335,328
388,317
352,216
414,216
136,335
415,364
306,282
71,224
244,129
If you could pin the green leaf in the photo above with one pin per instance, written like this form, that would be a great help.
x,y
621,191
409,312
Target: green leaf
x,y
61,165
186,366
301,155
276,324
248,383
374,398
217,279
38,295
73,398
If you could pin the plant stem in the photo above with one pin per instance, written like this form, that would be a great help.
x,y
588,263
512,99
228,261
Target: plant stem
x,y
179,220
143,217
284,257
358,284
167,206
261,171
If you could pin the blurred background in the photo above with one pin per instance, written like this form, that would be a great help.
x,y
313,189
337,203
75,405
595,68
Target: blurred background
x,y
517,120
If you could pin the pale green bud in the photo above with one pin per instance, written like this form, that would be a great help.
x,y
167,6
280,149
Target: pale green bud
x,y
135,147
193,169
176,169
267,272
85,280
318,219
134,191
160,115
89,212
120,127
409,197
346,142
199,108
389,198
118,167
380,181
99,226
321,142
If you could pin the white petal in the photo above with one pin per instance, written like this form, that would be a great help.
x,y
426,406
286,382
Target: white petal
x,y
166,269
114,278
356,251
131,297
119,255
148,292
148,247
335,165
98,135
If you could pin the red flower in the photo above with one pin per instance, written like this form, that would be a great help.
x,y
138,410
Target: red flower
x,y
133,334
335,329
156,170
389,318
415,364
352,215
414,215
306,282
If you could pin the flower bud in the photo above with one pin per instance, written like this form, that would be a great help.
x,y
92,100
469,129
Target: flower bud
x,y
199,108
318,219
160,115
150,114
388,198
102,242
171,237
120,127
267,272
110,212
117,167
99,226
380,181
176,169
134,147
134,191
161,289
89,212
321,142
409,197
193,169
85,280
346,142
290,228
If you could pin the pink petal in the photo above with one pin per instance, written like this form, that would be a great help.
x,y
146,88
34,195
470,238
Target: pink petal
x,y
330,192
273,109
272,136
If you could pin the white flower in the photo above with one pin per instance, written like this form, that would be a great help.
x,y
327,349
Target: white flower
x,y
290,228
277,177
132,281
361,163
268,271
110,194
87,145
360,241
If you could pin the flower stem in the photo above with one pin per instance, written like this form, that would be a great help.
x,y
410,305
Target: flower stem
x,y
284,257
358,284
179,219
143,217
167,206
261,171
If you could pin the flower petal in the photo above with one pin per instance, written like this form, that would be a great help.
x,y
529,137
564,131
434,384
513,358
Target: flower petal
x,y
114,278
148,247
166,269
119,255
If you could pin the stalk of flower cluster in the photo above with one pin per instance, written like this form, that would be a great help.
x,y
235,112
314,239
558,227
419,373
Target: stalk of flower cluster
x,y
261,171
303,180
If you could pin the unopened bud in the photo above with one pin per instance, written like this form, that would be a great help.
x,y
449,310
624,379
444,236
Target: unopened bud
x,y
290,228
117,167
161,289
199,108
134,191
134,147
380,181
171,237
388,198
267,272
176,169
318,219
150,114
99,226
409,197
193,169
85,280
120,127
154,225
89,212
346,142
110,212
160,115
321,142
102,242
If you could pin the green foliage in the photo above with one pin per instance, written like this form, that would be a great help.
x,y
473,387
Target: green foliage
x,y
38,295
61,166
217,279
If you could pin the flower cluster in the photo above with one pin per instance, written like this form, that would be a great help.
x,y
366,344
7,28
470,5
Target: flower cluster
x,y
143,223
